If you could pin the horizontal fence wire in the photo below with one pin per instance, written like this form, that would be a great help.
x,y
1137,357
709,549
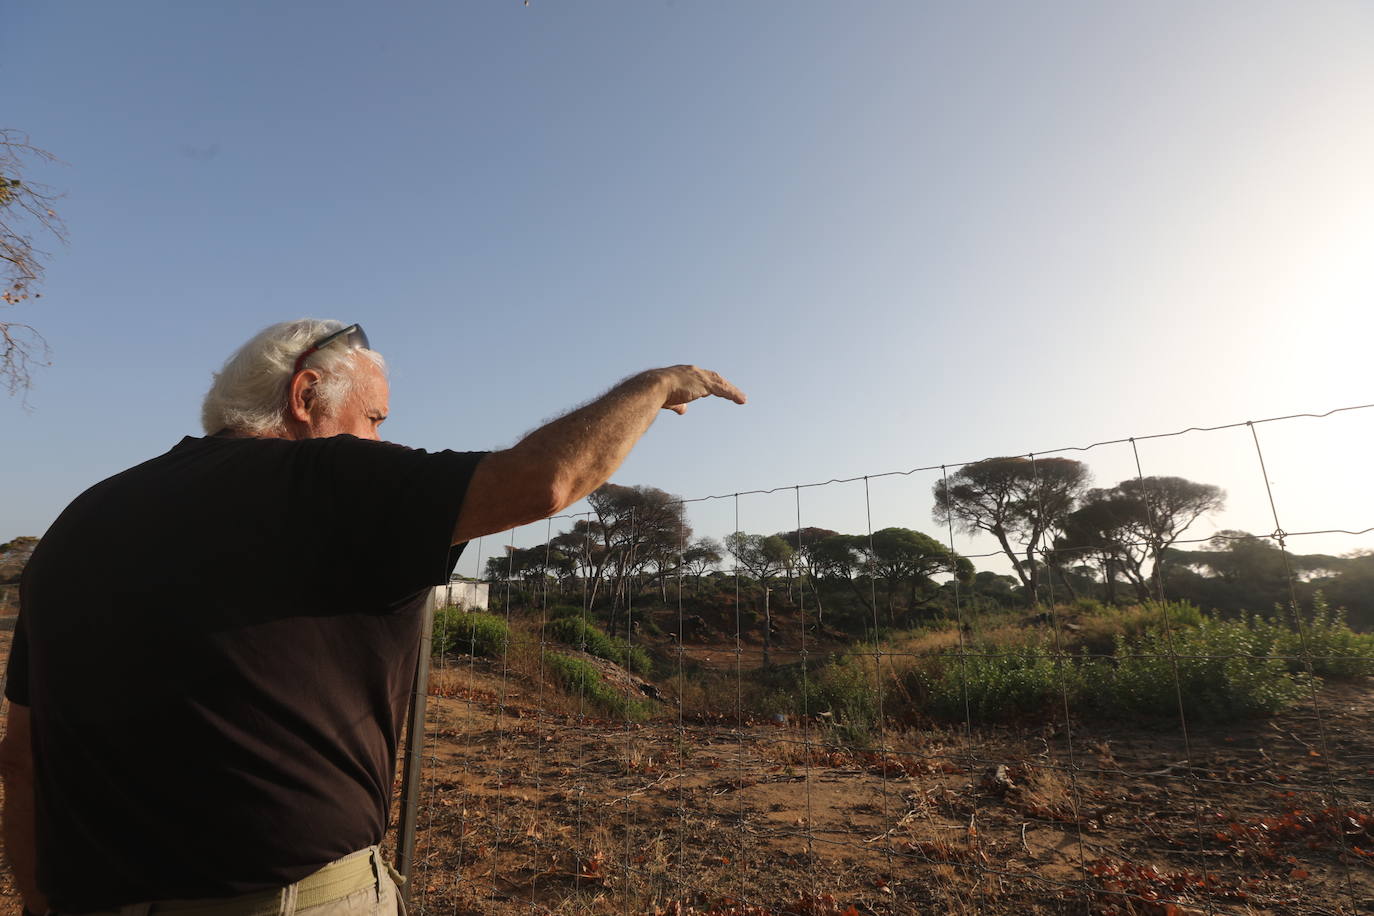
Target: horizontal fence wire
x,y
589,751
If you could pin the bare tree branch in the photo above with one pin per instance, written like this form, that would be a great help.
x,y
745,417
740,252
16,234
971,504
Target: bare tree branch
x,y
25,208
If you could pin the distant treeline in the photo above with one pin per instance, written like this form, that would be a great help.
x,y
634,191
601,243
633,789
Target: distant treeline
x,y
1064,539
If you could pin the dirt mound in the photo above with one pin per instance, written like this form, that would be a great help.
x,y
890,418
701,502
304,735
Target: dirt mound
x,y
14,556
630,685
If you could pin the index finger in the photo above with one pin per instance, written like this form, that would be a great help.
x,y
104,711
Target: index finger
x,y
723,389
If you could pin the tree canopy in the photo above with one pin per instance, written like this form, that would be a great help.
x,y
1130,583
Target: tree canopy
x,y
638,527
1094,541
762,556
1129,527
1021,499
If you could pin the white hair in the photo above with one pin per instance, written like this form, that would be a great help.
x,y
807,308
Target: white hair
x,y
249,394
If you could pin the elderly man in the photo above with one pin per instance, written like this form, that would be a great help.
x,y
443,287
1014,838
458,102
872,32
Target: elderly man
x,y
214,648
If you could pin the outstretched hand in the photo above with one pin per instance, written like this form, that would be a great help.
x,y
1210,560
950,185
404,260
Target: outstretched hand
x,y
688,383
565,459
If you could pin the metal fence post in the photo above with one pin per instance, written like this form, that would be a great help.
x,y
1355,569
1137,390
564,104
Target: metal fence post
x,y
415,755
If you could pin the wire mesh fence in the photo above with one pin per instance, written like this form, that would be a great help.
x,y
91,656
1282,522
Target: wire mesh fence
x,y
1079,708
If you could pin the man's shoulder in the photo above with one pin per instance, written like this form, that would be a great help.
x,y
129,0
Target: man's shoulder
x,y
382,450
214,459
114,480
188,457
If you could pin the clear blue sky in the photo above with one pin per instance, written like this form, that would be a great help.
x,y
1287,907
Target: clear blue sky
x,y
913,233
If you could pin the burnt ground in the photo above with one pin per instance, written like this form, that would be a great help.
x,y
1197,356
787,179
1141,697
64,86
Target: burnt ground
x,y
526,810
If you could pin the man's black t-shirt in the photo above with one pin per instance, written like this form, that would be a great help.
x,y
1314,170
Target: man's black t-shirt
x,y
217,647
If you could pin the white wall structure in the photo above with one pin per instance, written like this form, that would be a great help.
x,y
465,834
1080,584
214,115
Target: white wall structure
x,y
459,593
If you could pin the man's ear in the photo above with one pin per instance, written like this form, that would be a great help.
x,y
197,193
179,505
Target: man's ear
x,y
302,395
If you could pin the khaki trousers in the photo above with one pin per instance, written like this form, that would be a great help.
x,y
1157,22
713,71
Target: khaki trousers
x,y
380,898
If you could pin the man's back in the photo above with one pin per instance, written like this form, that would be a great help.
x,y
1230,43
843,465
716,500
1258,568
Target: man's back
x,y
214,648
220,644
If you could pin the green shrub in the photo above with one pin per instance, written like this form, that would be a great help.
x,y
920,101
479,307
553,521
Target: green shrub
x,y
1219,669
841,691
1088,606
1326,640
998,684
565,610
1180,614
469,632
578,633
1098,631
1151,615
580,678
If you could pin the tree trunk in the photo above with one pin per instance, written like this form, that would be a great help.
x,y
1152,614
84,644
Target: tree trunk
x,y
1157,578
1142,588
767,629
1032,577
598,575
1064,579
863,599
1001,536
816,590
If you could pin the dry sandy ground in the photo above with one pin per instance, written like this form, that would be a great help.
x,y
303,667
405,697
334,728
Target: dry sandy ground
x,y
529,811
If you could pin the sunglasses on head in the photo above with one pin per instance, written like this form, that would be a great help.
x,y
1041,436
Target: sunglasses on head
x,y
353,335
